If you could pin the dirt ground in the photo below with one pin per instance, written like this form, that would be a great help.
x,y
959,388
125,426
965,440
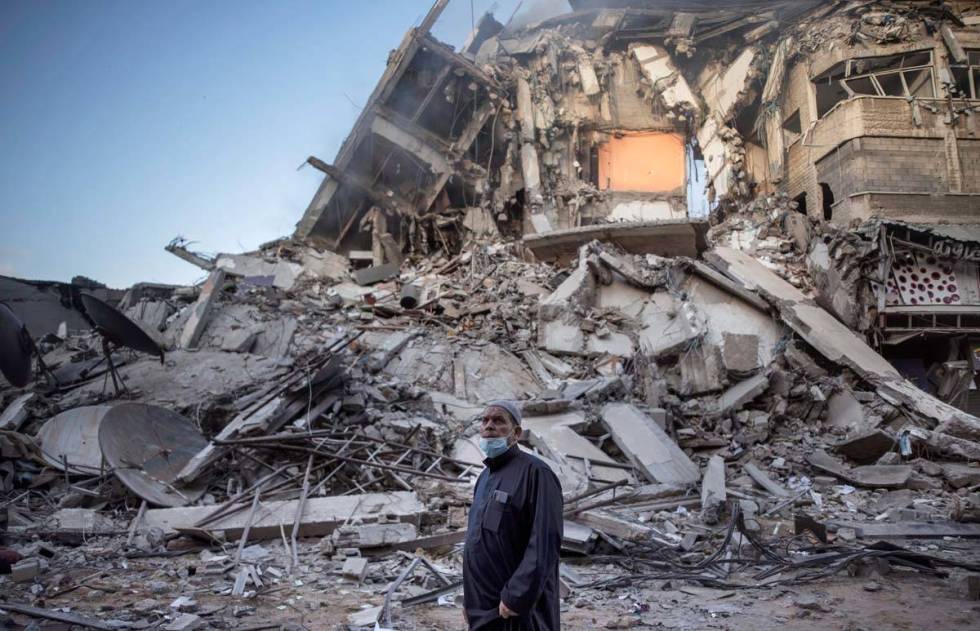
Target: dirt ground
x,y
140,593
910,602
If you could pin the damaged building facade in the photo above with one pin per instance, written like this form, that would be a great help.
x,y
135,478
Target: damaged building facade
x,y
613,121
722,254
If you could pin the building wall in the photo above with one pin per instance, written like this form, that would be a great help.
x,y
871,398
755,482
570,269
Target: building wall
x,y
881,156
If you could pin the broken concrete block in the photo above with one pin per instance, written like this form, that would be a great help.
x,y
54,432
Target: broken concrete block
x,y
555,437
701,370
27,569
658,67
871,476
355,568
668,327
367,617
256,271
960,475
740,353
742,393
561,338
200,312
713,493
616,525
374,535
239,340
866,448
376,273
802,361
650,449
185,622
577,290
326,265
845,412
618,344
16,413
760,478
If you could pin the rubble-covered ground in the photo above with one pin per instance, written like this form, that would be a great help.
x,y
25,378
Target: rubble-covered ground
x,y
291,443
718,470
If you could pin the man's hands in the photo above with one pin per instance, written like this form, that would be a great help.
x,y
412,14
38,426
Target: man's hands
x,y
505,611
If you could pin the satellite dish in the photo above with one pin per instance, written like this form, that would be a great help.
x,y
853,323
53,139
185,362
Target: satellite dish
x,y
117,330
16,348
148,446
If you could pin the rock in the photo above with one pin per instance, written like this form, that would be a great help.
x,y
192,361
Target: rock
x,y
809,602
145,606
27,570
960,475
355,568
185,622
158,587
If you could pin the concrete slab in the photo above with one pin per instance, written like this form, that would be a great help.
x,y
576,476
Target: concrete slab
x,y
281,274
740,352
618,344
648,446
554,436
665,238
701,370
561,338
201,311
668,327
742,393
321,515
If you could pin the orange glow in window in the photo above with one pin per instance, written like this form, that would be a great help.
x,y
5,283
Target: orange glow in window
x,y
649,162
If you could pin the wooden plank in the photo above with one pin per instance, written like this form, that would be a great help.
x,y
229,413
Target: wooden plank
x,y
649,447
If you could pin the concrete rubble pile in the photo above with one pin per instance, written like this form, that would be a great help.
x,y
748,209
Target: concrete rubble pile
x,y
762,398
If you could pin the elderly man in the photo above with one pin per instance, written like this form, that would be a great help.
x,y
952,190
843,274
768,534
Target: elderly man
x,y
510,564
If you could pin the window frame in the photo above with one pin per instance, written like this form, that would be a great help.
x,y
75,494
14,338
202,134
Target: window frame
x,y
845,74
972,68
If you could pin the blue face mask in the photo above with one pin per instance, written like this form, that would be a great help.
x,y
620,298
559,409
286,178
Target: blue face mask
x,y
493,447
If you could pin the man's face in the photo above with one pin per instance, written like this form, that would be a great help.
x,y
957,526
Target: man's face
x,y
497,423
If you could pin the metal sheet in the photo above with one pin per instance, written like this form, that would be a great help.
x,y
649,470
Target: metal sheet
x,y
74,434
147,446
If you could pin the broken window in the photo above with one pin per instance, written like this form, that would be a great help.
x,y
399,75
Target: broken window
x,y
905,75
649,162
966,78
828,201
791,128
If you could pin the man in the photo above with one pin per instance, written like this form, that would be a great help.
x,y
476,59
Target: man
x,y
510,563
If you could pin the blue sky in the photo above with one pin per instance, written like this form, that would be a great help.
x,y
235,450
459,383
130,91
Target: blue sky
x,y
126,123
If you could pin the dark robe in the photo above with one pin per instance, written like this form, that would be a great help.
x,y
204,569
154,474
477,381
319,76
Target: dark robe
x,y
512,545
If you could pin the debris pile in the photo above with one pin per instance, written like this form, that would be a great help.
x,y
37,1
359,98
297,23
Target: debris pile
x,y
296,436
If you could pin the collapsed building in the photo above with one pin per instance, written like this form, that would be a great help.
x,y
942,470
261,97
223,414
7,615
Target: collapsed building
x,y
724,254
